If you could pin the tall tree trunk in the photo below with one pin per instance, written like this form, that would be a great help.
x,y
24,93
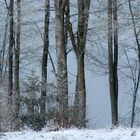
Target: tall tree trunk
x,y
115,7
113,58
45,60
66,19
16,93
79,49
80,96
11,44
10,122
137,80
115,16
62,79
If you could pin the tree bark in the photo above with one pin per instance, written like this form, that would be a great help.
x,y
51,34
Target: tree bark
x,y
79,49
62,79
16,92
137,80
10,113
80,96
113,59
45,60
11,44
2,57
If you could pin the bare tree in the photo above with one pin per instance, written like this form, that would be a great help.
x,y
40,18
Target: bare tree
x,y
113,58
45,60
136,81
79,45
10,66
16,92
80,97
62,79
11,44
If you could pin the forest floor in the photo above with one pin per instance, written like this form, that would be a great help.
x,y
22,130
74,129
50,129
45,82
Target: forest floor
x,y
75,134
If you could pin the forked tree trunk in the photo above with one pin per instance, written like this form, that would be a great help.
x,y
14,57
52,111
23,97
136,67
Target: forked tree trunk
x,y
80,96
79,48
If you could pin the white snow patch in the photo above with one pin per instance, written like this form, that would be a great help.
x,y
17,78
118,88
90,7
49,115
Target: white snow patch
x,y
75,134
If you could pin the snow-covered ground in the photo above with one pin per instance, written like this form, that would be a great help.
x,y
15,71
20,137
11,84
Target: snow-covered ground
x,y
75,134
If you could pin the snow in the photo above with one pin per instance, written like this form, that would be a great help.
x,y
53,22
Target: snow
x,y
74,134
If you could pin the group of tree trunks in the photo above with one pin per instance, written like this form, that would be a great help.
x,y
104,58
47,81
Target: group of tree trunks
x,y
63,30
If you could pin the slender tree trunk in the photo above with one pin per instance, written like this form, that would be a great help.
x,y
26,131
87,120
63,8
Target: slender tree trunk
x,y
62,79
110,62
2,51
115,16
137,81
45,60
10,113
66,22
2,57
113,58
11,44
16,92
